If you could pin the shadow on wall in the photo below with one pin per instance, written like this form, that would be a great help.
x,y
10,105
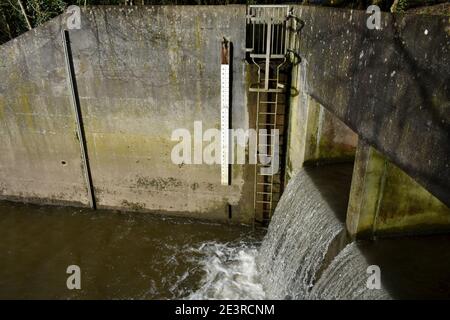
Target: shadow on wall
x,y
390,87
333,182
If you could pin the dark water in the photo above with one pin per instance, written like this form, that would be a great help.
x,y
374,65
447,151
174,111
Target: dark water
x,y
122,256
145,256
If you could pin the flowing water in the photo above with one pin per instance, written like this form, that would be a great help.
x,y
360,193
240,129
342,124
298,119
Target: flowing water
x,y
304,256
410,268
346,278
123,255
146,256
231,272
308,218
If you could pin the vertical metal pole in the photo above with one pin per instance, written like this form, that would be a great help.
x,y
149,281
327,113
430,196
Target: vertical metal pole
x,y
71,80
269,40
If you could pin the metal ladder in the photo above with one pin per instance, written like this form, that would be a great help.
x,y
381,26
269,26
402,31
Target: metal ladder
x,y
267,31
269,116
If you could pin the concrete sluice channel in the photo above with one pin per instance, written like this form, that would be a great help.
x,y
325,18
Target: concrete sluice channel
x,y
305,253
115,114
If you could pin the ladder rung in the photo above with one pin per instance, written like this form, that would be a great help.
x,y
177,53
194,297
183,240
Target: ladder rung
x,y
272,113
267,124
267,184
263,166
252,89
259,192
263,201
266,102
271,56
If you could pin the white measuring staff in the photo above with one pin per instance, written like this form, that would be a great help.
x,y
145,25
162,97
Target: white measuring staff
x,y
225,113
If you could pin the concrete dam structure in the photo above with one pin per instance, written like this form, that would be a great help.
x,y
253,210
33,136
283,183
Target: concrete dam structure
x,y
355,118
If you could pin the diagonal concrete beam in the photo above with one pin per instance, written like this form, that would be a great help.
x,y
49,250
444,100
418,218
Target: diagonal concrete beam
x,y
389,85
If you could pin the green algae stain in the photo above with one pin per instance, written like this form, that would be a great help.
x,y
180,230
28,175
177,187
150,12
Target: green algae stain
x,y
24,103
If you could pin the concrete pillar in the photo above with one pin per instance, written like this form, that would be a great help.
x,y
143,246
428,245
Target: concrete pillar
x,y
316,136
328,140
385,201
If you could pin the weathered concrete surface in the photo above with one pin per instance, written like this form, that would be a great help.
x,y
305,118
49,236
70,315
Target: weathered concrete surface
x,y
141,72
39,154
328,139
316,136
390,86
386,201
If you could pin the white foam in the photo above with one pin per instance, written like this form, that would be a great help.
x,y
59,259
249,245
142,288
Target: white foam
x,y
230,272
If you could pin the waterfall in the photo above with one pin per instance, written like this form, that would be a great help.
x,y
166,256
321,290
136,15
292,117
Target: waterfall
x,y
304,256
308,220
346,278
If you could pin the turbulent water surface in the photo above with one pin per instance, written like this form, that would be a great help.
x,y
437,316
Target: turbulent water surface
x,y
123,256
308,218
145,256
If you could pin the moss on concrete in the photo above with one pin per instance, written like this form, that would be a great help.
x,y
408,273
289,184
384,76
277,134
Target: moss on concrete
x,y
385,201
328,140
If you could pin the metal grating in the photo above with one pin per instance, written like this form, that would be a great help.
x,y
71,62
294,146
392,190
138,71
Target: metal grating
x,y
266,31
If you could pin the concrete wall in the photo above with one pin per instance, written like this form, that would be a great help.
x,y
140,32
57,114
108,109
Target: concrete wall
x,y
37,127
316,136
385,201
329,140
390,86
141,72
144,71
337,80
